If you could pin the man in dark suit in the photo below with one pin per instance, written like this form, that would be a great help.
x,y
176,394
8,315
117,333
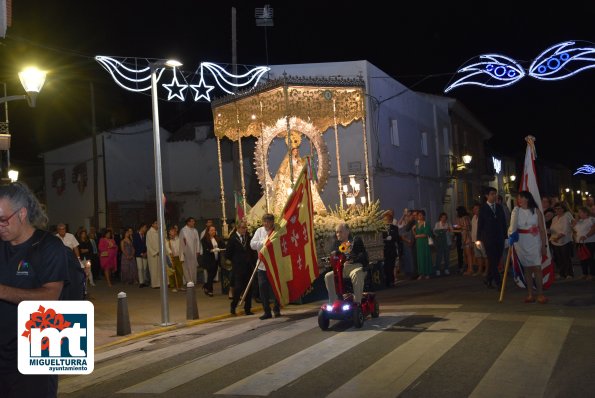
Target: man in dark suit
x,y
243,260
491,231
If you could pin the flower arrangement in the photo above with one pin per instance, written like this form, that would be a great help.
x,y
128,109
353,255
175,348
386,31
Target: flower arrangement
x,y
364,218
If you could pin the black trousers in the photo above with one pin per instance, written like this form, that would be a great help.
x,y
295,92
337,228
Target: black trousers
x,y
493,262
563,258
266,294
389,269
239,283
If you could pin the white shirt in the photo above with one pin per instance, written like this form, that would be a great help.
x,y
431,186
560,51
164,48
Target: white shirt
x,y
474,221
582,227
69,240
561,225
215,247
173,247
257,243
189,242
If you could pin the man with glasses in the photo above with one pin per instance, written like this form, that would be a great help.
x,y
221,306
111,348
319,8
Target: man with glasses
x,y
21,218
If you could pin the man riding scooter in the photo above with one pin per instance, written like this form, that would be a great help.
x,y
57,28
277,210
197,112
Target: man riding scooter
x,y
357,259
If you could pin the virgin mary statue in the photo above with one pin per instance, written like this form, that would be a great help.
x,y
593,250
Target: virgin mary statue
x,y
283,183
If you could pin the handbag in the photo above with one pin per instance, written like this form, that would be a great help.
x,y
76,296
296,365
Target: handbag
x,y
430,241
583,252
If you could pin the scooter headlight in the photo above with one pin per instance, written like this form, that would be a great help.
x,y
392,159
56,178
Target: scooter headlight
x,y
329,307
346,307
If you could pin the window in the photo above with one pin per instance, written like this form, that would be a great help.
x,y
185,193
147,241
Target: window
x,y
394,132
424,143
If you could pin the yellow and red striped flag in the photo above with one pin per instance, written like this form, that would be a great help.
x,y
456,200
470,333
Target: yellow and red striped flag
x,y
289,254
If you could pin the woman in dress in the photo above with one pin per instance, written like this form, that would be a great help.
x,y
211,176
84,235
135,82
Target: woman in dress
x,y
406,258
211,245
108,255
128,270
464,227
422,232
527,229
442,232
585,235
561,240
172,247
86,251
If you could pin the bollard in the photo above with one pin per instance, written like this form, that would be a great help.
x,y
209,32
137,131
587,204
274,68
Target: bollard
x,y
191,307
123,326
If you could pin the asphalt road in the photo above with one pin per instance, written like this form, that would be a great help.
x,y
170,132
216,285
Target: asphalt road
x,y
444,337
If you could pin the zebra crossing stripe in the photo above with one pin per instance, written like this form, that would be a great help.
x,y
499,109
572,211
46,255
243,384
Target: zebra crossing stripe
x,y
114,369
190,371
393,373
532,353
286,371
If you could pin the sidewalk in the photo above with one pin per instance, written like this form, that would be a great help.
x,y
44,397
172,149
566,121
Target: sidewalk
x,y
144,309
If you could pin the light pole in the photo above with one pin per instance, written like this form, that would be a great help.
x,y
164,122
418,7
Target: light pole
x,y
159,198
32,80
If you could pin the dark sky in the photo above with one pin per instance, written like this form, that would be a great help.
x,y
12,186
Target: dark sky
x,y
421,45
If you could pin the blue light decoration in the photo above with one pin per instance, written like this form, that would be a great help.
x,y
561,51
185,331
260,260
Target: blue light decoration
x,y
563,60
490,70
585,169
134,74
557,62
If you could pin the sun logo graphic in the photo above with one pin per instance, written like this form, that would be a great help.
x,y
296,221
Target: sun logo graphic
x,y
56,337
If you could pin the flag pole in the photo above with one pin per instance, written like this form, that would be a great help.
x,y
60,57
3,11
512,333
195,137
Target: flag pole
x,y
248,287
505,274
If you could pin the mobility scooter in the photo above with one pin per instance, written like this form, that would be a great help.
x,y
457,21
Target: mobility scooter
x,y
345,308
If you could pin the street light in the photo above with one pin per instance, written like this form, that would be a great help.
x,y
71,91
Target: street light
x,y
512,178
13,175
159,197
32,80
467,158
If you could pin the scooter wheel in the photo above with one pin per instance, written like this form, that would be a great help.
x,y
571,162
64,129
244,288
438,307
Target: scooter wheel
x,y
358,317
376,311
323,320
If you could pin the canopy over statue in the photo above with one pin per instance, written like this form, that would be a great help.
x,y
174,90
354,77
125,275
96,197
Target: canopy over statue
x,y
291,109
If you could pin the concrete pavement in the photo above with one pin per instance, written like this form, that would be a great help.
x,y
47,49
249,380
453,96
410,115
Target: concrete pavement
x,y
144,308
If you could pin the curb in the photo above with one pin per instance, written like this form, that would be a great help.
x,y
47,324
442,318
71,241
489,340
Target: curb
x,y
163,329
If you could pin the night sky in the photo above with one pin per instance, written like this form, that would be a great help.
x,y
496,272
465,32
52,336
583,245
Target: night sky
x,y
420,45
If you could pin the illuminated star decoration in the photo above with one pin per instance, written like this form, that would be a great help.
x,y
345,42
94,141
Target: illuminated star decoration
x,y
201,85
585,169
134,74
557,62
175,89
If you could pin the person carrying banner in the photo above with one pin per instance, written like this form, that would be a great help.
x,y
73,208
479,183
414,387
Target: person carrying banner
x,y
528,234
264,286
353,267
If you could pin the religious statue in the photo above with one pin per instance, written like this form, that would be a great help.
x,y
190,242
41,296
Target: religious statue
x,y
282,183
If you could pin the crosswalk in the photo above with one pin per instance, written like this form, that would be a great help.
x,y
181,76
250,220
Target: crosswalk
x,y
402,353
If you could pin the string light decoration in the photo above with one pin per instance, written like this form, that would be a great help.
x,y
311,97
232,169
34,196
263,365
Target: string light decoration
x,y
175,89
585,169
558,62
134,74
